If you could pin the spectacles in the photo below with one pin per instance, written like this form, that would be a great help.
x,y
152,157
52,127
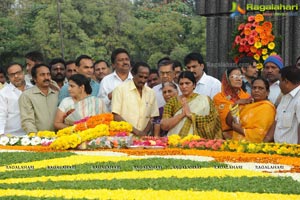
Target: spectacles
x,y
235,76
18,73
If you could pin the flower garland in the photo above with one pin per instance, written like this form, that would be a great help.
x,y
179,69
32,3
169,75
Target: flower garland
x,y
193,141
268,148
73,140
255,38
88,129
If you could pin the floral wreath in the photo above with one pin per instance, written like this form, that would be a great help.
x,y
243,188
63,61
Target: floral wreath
x,y
255,38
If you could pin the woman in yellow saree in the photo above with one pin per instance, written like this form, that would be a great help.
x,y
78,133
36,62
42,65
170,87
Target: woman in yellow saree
x,y
255,118
191,113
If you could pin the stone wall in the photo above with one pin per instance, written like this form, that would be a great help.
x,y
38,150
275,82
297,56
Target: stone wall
x,y
220,27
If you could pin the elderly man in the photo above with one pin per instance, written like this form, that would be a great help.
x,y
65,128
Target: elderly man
x,y
38,104
166,74
135,102
271,72
10,121
120,60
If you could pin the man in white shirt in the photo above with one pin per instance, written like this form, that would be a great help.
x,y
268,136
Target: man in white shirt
x,y
271,72
10,121
286,128
206,85
120,60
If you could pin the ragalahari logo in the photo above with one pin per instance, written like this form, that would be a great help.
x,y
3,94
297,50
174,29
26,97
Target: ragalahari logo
x,y
236,10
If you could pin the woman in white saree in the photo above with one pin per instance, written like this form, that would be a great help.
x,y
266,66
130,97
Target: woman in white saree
x,y
79,105
191,113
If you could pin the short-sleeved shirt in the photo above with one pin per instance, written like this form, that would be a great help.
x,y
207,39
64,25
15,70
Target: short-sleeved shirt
x,y
135,109
108,84
288,118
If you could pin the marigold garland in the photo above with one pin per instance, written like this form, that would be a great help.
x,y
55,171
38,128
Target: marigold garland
x,y
221,156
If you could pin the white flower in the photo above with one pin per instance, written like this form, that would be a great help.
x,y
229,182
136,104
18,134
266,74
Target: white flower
x,y
25,141
35,141
4,140
13,140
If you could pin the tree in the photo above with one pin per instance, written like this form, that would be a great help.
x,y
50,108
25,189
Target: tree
x,y
147,29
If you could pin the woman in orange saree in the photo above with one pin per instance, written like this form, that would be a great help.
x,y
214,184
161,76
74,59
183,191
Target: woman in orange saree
x,y
231,93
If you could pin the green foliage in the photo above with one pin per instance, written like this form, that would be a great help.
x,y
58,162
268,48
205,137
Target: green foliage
x,y
7,158
96,28
122,165
280,185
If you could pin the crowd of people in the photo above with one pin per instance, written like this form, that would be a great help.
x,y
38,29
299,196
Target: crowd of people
x,y
167,99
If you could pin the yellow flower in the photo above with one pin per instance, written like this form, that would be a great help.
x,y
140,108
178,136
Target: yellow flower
x,y
32,134
256,56
273,53
264,51
233,145
265,57
271,45
47,134
240,149
259,66
65,131
251,147
173,140
257,45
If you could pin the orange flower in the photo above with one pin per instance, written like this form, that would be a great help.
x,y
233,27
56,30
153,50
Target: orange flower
x,y
247,31
80,127
256,39
253,49
259,29
263,35
267,26
271,37
104,118
264,41
28,148
259,18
